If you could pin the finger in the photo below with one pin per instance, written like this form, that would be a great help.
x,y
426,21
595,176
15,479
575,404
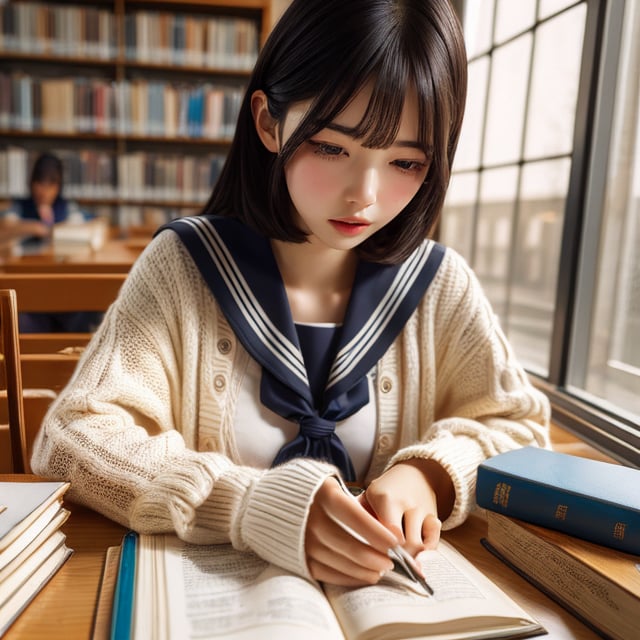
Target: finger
x,y
414,521
349,556
431,529
351,515
387,513
332,544
350,578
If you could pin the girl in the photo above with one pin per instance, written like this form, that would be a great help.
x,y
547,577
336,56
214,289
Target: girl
x,y
32,217
304,331
31,220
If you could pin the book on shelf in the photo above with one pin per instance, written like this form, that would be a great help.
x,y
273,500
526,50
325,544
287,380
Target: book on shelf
x,y
41,29
137,107
32,546
214,590
590,499
599,585
220,42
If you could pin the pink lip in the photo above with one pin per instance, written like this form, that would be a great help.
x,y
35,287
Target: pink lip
x,y
350,226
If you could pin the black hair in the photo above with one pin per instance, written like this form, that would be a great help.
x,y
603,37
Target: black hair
x,y
326,51
47,168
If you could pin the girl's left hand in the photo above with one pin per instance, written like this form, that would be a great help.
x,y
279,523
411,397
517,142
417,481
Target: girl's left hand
x,y
405,500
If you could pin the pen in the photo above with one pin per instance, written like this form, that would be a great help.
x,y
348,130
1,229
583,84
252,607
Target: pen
x,y
402,560
404,563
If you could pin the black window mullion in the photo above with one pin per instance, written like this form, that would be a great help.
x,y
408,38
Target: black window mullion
x,y
576,196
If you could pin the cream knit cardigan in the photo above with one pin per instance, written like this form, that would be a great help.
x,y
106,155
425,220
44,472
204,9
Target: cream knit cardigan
x,y
144,430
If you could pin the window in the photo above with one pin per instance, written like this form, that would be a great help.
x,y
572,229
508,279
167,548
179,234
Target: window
x,y
544,200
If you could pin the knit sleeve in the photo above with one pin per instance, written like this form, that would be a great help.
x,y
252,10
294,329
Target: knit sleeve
x,y
124,431
478,398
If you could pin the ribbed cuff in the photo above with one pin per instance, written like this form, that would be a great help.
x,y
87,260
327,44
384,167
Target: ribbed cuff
x,y
276,512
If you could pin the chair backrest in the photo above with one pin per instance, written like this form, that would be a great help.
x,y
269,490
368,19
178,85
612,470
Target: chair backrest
x,y
48,359
13,380
60,292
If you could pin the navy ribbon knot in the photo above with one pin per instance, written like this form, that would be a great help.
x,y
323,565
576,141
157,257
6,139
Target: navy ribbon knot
x,y
317,439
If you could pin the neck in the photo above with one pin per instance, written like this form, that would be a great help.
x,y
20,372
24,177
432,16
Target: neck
x,y
317,279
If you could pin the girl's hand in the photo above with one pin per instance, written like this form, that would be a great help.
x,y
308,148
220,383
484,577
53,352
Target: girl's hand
x,y
334,554
45,211
407,499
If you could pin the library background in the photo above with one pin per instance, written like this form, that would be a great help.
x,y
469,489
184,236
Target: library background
x,y
139,99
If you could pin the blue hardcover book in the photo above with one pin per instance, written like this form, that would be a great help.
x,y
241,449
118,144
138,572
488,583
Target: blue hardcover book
x,y
589,499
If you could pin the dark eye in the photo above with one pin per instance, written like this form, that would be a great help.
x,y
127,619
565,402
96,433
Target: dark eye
x,y
410,165
326,149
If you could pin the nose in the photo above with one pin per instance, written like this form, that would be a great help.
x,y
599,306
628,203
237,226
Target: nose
x,y
363,185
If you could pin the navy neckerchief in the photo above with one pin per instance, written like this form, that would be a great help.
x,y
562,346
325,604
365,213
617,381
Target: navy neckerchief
x,y
239,267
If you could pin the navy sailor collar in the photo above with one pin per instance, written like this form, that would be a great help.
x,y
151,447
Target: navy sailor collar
x,y
239,267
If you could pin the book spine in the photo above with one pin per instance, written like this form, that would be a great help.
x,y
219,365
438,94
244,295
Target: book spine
x,y
549,506
122,615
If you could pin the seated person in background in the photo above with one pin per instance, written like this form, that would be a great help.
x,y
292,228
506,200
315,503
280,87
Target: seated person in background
x,y
31,219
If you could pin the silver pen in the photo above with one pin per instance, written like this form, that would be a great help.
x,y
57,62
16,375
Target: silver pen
x,y
403,563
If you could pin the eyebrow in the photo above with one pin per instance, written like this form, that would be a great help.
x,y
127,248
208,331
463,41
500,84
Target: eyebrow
x,y
349,131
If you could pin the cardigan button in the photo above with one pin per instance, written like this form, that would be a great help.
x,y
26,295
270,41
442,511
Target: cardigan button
x,y
224,346
210,444
385,385
219,383
384,443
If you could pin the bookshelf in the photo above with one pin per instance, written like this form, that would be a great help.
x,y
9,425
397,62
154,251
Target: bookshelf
x,y
138,98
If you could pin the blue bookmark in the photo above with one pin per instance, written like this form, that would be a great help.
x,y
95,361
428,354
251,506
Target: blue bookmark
x,y
122,616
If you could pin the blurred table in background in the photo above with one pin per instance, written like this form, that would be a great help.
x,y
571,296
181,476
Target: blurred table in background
x,y
115,256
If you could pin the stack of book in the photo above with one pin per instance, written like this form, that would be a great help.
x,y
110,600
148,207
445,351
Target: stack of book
x,y
73,236
32,547
571,527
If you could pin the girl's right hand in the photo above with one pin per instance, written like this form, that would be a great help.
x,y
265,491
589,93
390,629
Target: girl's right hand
x,y
335,555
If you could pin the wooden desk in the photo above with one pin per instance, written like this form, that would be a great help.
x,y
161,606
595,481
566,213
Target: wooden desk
x,y
116,256
64,609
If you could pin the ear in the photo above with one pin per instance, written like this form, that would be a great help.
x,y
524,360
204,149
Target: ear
x,y
266,124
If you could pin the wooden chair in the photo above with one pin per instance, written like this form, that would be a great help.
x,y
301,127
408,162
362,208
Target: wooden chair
x,y
13,383
21,410
48,359
60,292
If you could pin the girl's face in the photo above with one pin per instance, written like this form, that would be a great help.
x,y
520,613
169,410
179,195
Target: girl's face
x,y
344,192
45,192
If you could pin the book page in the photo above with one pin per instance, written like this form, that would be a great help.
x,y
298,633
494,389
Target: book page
x,y
218,592
465,604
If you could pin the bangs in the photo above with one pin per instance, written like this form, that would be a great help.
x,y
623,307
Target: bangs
x,y
389,80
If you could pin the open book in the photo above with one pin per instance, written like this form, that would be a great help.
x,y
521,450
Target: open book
x,y
193,591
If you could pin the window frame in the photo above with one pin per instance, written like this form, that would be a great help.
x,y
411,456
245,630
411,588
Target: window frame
x,y
604,427
613,432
